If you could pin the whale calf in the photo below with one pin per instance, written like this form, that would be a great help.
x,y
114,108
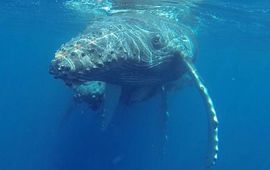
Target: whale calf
x,y
142,54
92,93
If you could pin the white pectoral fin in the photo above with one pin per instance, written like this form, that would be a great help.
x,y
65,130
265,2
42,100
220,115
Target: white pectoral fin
x,y
164,116
212,116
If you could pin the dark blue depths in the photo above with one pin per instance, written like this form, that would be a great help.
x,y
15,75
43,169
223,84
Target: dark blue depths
x,y
36,134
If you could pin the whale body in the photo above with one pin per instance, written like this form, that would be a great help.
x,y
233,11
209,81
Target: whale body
x,y
142,54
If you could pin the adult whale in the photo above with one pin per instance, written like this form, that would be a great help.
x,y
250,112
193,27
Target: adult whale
x,y
140,53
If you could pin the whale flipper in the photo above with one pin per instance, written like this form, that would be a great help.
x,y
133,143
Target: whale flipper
x,y
67,114
122,98
212,117
164,113
111,105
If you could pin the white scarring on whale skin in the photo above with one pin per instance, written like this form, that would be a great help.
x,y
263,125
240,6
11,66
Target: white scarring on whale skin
x,y
134,51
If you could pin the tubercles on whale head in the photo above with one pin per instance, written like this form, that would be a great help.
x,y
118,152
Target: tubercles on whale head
x,y
78,60
61,65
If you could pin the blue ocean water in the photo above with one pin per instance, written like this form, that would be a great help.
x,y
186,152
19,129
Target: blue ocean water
x,y
233,59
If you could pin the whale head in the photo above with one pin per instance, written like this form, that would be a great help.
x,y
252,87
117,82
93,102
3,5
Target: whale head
x,y
83,58
123,50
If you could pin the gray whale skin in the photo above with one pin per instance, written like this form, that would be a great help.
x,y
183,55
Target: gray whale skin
x,y
143,54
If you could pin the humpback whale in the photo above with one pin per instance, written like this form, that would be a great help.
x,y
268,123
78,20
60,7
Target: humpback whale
x,y
142,54
91,92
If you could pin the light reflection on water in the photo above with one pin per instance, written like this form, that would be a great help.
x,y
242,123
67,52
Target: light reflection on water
x,y
246,17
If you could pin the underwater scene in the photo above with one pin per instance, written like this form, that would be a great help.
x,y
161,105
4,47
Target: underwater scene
x,y
134,85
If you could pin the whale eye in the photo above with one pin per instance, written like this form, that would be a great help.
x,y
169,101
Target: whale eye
x,y
156,41
73,54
